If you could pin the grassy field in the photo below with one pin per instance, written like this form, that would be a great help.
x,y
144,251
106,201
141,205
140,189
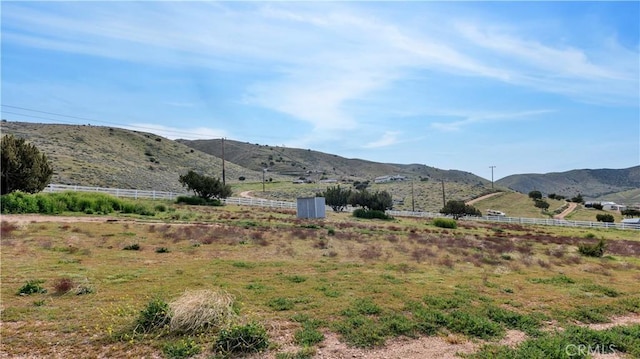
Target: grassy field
x,y
366,280
426,195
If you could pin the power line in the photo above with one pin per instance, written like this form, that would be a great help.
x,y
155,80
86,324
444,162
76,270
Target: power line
x,y
86,119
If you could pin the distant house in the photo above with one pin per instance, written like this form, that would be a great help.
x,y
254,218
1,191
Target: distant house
x,y
385,179
612,206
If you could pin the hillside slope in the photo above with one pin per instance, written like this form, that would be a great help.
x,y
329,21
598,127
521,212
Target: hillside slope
x,y
318,165
113,157
591,183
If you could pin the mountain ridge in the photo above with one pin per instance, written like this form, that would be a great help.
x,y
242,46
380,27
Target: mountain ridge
x,y
115,157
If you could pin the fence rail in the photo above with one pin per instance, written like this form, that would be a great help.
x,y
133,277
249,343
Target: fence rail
x,y
241,201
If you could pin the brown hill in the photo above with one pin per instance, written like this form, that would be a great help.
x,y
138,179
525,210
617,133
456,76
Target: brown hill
x,y
114,157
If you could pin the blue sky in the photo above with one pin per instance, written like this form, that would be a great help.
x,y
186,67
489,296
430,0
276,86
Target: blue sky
x,y
528,87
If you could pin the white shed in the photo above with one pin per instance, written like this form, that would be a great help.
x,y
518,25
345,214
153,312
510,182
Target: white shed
x,y
311,207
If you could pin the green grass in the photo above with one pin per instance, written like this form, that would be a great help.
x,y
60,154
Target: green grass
x,y
282,278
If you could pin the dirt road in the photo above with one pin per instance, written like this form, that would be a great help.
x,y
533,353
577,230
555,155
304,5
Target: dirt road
x,y
571,208
483,197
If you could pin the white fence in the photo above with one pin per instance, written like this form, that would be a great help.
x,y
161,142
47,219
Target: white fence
x,y
118,192
291,205
134,193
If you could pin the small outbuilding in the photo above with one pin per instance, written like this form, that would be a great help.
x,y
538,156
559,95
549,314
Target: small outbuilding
x,y
311,207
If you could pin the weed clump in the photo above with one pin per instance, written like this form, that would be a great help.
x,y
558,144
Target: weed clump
x,y
132,247
248,338
155,316
593,250
184,348
32,287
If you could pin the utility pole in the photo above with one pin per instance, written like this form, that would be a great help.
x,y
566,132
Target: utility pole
x,y
263,171
444,201
223,174
492,167
413,202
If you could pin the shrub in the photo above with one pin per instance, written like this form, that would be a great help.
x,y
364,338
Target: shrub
x,y
593,250
154,316
162,250
445,223
184,348
63,285
370,214
605,217
196,311
24,168
32,287
132,247
248,338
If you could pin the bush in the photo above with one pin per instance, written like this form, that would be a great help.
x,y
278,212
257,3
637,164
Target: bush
x,y
32,287
605,217
445,223
198,201
154,316
370,214
593,250
197,311
162,250
248,338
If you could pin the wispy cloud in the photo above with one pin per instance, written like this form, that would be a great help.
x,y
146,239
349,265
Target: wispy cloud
x,y
173,133
388,138
481,117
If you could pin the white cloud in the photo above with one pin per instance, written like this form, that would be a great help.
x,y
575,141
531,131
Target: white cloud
x,y
388,138
173,133
481,117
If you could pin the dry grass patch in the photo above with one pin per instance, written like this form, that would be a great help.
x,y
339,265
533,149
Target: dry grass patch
x,y
199,310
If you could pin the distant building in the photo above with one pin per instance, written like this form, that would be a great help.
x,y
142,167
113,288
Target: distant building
x,y
385,179
612,206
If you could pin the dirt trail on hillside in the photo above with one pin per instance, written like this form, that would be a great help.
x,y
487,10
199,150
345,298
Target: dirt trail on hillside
x,y
482,197
571,208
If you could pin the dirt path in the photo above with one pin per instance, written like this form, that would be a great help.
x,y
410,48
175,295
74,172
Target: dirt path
x,y
483,197
571,208
246,194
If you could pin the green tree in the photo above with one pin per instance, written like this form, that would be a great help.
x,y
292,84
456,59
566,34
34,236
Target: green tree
x,y
378,201
459,209
535,195
578,199
540,203
205,187
630,212
337,198
24,168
